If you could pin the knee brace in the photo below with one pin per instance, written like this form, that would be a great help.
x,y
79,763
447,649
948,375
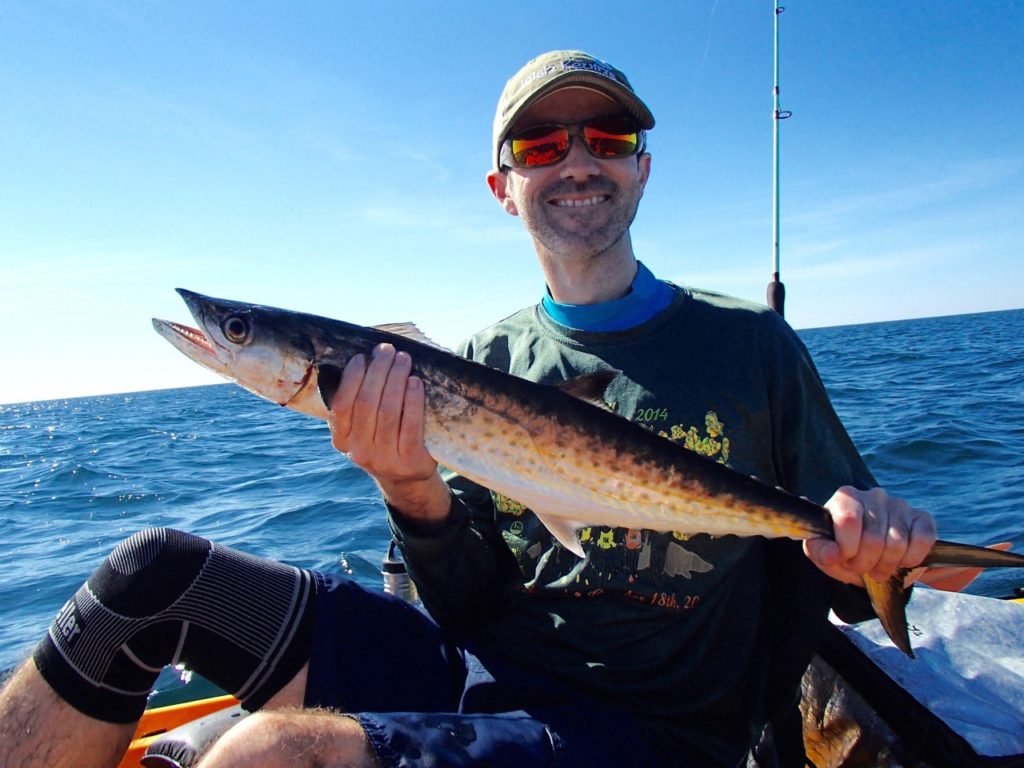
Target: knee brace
x,y
166,597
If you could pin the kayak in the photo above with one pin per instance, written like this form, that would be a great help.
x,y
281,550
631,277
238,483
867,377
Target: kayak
x,y
159,721
958,703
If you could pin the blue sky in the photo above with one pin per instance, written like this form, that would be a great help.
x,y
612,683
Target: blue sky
x,y
330,157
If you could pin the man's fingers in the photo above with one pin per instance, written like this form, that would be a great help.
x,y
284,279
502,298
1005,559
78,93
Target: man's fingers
x,y
377,417
392,399
848,522
875,534
410,441
340,418
922,538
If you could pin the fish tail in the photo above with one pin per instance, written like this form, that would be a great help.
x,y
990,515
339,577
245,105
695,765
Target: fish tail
x,y
951,553
889,601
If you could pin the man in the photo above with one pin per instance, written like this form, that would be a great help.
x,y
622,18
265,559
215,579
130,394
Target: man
x,y
656,649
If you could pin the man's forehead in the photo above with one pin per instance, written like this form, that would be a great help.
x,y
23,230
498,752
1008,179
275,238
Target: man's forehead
x,y
569,104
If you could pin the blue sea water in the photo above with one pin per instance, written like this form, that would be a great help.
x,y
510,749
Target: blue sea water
x,y
935,405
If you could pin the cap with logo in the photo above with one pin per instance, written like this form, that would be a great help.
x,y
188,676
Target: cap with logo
x,y
560,69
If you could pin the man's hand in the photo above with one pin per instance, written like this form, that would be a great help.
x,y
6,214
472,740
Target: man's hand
x,y
377,418
875,534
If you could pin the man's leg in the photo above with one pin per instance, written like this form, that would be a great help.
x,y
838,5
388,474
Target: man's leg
x,y
37,727
293,739
29,708
161,597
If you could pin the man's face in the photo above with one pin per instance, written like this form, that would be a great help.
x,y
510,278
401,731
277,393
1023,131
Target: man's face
x,y
582,206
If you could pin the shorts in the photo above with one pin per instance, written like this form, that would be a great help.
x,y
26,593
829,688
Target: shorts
x,y
425,701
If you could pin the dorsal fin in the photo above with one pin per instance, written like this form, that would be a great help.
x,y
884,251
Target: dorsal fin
x,y
590,387
409,331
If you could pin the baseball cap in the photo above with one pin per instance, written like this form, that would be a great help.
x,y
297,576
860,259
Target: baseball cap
x,y
559,69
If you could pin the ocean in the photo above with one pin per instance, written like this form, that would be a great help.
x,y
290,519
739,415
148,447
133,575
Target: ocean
x,y
935,405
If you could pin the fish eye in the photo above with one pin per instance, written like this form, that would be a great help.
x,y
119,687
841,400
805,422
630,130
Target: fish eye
x,y
236,329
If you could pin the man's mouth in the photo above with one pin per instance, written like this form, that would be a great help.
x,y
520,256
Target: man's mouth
x,y
579,202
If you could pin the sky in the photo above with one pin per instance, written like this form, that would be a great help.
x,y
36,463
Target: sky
x,y
329,157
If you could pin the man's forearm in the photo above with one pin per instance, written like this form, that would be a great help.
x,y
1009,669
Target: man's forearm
x,y
426,502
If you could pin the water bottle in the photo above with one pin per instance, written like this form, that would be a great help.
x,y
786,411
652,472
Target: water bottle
x,y
396,578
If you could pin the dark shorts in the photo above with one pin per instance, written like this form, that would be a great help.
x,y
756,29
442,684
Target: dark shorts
x,y
424,701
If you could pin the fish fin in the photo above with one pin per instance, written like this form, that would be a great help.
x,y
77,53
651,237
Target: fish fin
x,y
328,377
890,606
951,553
953,578
409,331
564,531
590,387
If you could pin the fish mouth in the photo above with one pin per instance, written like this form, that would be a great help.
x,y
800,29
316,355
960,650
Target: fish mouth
x,y
192,335
192,343
292,382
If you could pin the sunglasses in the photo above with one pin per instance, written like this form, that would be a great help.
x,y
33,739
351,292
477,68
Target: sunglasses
x,y
606,138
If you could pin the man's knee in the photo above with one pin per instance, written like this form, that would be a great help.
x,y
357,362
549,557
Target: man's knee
x,y
293,739
164,597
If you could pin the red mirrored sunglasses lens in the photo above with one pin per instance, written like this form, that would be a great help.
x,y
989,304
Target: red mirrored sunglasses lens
x,y
543,145
611,138
606,138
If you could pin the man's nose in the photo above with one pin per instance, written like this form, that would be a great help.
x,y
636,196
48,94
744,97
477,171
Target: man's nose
x,y
579,163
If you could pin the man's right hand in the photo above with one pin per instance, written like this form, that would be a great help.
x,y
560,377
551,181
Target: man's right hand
x,y
377,418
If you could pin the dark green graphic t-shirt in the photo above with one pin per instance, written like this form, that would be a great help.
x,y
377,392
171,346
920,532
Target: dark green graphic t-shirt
x,y
669,625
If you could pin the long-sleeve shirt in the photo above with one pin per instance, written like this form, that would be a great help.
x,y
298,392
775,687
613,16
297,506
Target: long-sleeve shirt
x,y
699,637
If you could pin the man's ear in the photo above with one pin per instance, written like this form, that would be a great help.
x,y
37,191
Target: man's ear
x,y
643,170
498,182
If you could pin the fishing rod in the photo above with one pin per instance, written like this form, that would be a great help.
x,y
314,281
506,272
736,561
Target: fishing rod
x,y
776,290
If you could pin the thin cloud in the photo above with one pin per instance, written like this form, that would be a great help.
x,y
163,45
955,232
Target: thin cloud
x,y
466,223
968,178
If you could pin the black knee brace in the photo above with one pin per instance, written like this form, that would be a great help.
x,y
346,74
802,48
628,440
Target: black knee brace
x,y
167,597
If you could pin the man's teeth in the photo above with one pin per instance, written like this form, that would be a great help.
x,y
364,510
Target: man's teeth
x,y
580,203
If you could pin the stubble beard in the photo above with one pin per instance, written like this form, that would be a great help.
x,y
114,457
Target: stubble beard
x,y
583,233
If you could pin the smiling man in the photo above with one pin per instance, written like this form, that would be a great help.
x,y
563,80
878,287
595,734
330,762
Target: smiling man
x,y
578,207
663,649
654,649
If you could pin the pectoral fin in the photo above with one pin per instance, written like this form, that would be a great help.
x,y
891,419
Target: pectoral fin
x,y
328,377
590,387
564,532
887,598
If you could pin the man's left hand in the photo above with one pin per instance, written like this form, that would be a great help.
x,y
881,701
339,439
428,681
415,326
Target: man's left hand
x,y
875,534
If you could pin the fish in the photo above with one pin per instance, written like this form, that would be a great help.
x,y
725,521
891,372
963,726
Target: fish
x,y
557,449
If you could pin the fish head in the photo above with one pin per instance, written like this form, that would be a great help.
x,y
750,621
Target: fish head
x,y
263,349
